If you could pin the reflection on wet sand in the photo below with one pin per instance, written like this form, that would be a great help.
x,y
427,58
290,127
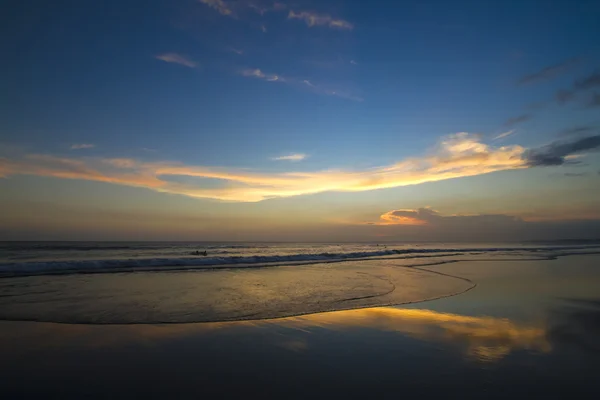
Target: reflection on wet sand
x,y
482,338
485,338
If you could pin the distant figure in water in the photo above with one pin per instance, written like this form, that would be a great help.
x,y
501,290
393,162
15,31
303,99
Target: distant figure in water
x,y
204,253
197,253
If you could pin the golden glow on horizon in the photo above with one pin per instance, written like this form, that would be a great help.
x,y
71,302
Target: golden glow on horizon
x,y
460,155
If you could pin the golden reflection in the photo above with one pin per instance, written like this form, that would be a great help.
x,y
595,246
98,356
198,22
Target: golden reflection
x,y
486,339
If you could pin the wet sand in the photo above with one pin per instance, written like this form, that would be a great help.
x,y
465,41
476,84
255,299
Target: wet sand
x,y
529,328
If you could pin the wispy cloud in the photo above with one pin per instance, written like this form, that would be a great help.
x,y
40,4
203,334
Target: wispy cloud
x,y
518,119
82,146
591,81
314,19
236,51
504,135
594,100
221,6
291,157
177,59
236,8
563,96
353,62
263,28
257,73
556,153
300,83
578,130
548,72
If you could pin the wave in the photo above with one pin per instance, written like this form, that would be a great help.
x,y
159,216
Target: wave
x,y
106,265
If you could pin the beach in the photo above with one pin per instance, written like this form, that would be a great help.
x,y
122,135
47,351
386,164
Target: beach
x,y
525,326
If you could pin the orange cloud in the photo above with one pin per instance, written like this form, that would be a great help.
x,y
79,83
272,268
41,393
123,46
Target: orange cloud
x,y
391,218
427,216
457,156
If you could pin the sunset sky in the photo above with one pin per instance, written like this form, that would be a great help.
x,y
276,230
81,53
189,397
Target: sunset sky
x,y
300,120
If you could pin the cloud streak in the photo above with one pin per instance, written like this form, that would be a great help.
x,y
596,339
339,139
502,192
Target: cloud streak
x,y
291,157
220,6
548,72
82,146
591,81
504,134
518,119
303,84
429,217
177,59
314,19
459,155
556,153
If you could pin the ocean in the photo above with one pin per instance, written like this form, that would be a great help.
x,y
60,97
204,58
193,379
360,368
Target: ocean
x,y
26,258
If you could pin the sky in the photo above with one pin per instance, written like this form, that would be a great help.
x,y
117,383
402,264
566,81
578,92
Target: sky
x,y
259,120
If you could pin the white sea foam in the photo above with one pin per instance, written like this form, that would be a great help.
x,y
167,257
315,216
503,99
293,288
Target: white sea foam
x,y
250,256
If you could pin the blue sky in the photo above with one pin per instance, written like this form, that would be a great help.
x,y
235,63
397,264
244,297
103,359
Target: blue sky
x,y
125,106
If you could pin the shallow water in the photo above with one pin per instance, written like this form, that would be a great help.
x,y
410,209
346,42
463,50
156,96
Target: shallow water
x,y
528,329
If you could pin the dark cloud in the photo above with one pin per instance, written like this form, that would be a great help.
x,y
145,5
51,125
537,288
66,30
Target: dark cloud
x,y
548,72
555,153
594,100
578,130
589,82
535,106
518,119
564,96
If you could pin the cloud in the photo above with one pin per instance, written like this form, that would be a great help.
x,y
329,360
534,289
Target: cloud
x,y
505,134
577,130
456,156
556,153
177,59
257,73
233,8
430,217
300,83
588,82
291,157
263,28
353,62
221,6
82,146
548,72
236,51
594,100
313,19
563,96
518,119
